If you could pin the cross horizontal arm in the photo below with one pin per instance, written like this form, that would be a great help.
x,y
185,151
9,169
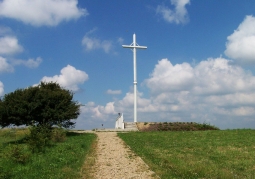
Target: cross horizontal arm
x,y
130,46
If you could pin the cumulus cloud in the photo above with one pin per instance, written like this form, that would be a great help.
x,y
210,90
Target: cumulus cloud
x,y
109,91
5,66
240,45
9,45
219,77
179,15
128,101
166,77
93,116
212,76
69,78
214,91
41,12
1,88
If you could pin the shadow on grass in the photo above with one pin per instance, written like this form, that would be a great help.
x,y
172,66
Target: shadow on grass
x,y
71,134
18,141
25,141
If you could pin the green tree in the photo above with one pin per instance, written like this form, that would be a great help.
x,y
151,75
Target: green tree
x,y
45,104
3,118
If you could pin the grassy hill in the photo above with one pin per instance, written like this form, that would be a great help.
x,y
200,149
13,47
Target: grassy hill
x,y
59,160
176,154
196,154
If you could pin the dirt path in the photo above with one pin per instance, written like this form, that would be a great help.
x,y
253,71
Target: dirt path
x,y
116,161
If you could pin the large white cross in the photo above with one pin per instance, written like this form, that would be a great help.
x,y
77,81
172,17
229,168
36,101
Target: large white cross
x,y
134,46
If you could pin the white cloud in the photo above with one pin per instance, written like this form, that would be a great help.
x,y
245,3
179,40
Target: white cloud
x,y
214,91
5,66
30,63
240,44
178,15
166,77
8,65
244,111
1,88
219,77
9,45
128,101
91,43
98,111
213,76
109,91
69,78
41,12
93,116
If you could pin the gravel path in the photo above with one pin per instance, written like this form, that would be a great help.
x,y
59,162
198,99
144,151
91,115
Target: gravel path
x,y
116,161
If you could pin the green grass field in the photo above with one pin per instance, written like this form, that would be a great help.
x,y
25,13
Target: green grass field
x,y
61,160
196,154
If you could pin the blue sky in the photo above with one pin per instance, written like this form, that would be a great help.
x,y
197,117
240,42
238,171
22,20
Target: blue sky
x,y
199,65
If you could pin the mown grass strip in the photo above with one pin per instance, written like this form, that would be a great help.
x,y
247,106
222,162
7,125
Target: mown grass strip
x,y
88,170
59,161
200,154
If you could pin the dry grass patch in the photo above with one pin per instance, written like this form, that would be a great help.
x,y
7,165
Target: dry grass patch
x,y
88,169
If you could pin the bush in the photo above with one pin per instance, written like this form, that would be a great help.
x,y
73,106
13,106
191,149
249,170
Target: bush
x,y
5,174
39,138
206,126
58,135
18,154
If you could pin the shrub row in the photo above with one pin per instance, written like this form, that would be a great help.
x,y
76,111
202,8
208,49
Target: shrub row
x,y
178,126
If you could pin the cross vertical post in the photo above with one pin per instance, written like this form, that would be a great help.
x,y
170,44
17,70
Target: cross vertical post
x,y
133,47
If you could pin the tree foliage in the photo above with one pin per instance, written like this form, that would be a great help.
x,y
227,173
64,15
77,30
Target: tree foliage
x,y
45,104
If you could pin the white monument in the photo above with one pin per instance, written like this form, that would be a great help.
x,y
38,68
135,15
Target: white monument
x,y
133,47
119,124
